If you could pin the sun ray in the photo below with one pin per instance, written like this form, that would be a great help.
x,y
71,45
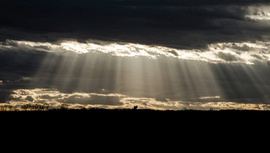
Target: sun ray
x,y
47,69
63,76
88,68
254,74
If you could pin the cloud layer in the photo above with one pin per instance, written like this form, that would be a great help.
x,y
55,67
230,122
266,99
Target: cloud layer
x,y
178,24
245,52
54,99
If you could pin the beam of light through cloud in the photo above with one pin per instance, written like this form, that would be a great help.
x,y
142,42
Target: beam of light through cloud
x,y
245,52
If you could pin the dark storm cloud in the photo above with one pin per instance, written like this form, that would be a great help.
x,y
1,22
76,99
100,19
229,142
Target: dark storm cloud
x,y
21,62
16,70
181,24
4,95
87,3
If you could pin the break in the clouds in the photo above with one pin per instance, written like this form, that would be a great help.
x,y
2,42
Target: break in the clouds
x,y
162,54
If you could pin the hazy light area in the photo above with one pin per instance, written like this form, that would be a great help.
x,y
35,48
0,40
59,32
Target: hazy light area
x,y
120,75
245,52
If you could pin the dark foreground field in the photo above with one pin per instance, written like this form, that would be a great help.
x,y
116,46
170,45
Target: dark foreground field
x,y
127,111
46,108
140,118
65,108
132,115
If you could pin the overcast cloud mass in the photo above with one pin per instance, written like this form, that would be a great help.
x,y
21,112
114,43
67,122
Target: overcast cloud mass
x,y
158,54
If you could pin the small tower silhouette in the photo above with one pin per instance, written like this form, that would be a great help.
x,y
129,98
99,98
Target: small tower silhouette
x,y
135,107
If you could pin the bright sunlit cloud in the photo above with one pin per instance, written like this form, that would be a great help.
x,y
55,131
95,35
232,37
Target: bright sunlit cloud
x,y
259,12
245,52
210,97
259,17
79,100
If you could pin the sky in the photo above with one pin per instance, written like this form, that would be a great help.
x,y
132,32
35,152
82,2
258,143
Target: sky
x,y
157,54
